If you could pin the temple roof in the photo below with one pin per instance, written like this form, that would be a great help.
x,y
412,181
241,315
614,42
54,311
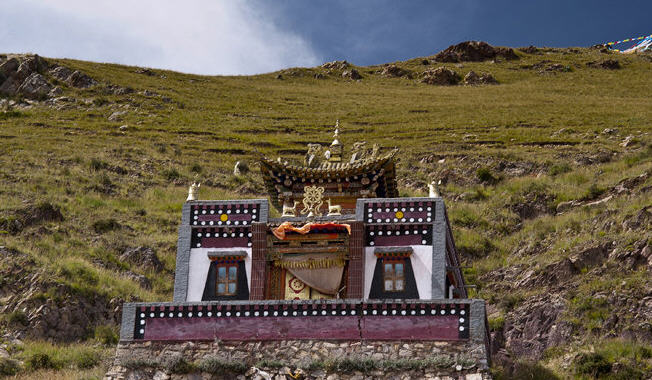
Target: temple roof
x,y
364,173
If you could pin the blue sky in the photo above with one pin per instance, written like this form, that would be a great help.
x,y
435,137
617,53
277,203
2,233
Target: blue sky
x,y
245,37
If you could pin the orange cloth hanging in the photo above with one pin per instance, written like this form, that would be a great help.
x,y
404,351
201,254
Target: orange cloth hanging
x,y
280,231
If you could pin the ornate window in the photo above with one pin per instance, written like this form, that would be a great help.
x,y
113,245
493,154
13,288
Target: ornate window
x,y
394,275
226,283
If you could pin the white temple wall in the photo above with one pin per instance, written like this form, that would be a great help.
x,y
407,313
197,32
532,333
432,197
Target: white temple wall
x,y
198,270
421,260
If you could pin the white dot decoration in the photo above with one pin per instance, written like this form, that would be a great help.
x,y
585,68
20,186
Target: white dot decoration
x,y
413,312
249,244
371,233
387,220
210,314
461,320
203,211
276,313
246,313
379,210
254,211
461,328
199,314
256,313
343,312
423,312
142,315
190,314
265,314
237,211
237,314
364,312
228,211
151,315
380,232
203,223
384,312
171,315
199,234
314,312
374,312
142,331
180,315
378,220
443,312
423,242
219,314
323,312
334,312
285,313
208,234
420,208
462,312
411,219
142,322
370,221
352,312
411,208
196,211
305,313
403,312
453,311
161,315
236,222
393,312
249,234
371,243
432,311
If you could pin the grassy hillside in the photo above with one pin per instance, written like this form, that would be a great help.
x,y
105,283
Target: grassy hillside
x,y
547,179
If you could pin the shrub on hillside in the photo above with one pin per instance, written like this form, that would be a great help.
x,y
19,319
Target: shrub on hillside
x,y
105,225
485,175
106,335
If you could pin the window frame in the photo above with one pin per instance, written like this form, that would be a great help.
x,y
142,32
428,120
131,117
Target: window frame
x,y
393,277
228,279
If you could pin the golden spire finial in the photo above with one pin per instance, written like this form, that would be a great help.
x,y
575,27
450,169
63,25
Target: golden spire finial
x,y
337,129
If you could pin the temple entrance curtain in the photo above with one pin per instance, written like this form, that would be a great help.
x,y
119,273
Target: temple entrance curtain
x,y
322,272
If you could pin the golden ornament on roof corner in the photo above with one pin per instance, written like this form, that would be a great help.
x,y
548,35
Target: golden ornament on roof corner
x,y
312,200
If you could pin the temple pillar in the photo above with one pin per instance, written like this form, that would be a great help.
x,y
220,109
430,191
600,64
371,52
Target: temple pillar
x,y
258,260
356,261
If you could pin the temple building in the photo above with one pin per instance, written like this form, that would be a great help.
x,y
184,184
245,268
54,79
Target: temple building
x,y
348,259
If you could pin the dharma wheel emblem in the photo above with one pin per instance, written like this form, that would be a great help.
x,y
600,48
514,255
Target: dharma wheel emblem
x,y
312,200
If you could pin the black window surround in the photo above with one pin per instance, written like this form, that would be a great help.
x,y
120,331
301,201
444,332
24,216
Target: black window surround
x,y
393,255
226,259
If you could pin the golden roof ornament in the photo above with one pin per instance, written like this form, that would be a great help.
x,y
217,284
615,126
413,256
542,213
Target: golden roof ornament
x,y
312,200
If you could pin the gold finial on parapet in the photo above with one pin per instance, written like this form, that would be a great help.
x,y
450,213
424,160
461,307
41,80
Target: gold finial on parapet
x,y
336,147
193,192
434,189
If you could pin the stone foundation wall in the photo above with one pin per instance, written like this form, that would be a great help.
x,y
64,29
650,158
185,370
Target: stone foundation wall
x,y
300,360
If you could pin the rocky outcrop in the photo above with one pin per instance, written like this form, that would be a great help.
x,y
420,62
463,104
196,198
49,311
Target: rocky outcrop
x,y
441,76
144,257
35,78
35,87
336,65
351,74
393,71
49,310
474,51
473,79
14,221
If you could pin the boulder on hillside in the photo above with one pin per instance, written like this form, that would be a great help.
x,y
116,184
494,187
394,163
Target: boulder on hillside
x,y
609,64
441,76
530,50
473,79
352,74
394,71
35,87
474,51
61,73
335,65
144,257
80,80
